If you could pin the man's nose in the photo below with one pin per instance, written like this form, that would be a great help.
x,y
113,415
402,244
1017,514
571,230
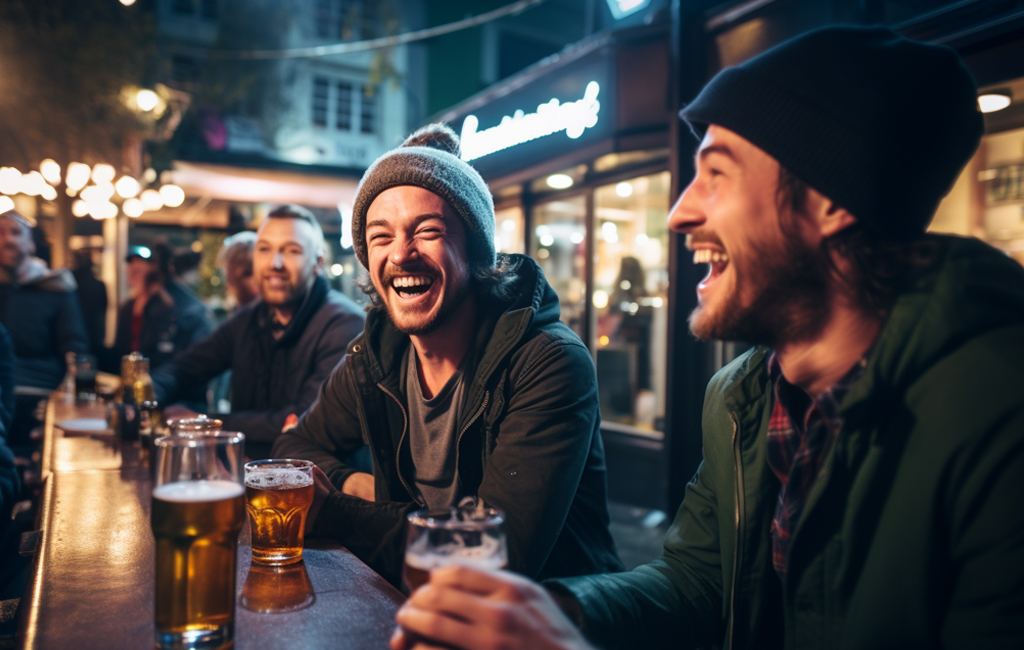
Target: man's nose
x,y
278,260
687,215
403,250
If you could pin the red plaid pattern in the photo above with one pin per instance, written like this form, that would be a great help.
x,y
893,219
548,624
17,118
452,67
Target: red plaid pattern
x,y
800,432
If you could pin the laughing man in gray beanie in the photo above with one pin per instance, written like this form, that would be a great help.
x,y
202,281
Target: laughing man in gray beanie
x,y
464,384
864,463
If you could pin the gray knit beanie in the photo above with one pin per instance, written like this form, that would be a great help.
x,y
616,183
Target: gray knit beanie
x,y
429,158
880,124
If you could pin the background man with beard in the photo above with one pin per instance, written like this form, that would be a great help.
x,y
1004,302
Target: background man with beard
x,y
464,382
864,465
40,309
280,348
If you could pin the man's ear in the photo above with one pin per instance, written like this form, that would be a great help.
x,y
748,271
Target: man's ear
x,y
829,217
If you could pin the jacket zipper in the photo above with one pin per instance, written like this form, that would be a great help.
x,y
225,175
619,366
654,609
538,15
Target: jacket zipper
x,y
458,440
401,439
737,556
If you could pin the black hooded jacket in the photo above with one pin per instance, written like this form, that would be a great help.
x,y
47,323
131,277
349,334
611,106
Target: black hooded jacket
x,y
529,443
270,378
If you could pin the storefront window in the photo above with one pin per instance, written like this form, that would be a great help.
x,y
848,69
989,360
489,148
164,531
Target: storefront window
x,y
508,231
558,245
629,298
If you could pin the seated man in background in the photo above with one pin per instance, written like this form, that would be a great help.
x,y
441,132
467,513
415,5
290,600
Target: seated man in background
x,y
236,260
40,309
464,383
161,318
863,466
280,348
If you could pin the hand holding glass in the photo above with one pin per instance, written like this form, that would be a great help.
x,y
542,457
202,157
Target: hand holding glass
x,y
468,536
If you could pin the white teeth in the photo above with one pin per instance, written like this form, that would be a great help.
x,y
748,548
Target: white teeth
x,y
411,281
708,256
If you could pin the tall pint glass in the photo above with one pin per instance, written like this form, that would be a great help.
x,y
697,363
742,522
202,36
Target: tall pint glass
x,y
466,535
278,494
198,506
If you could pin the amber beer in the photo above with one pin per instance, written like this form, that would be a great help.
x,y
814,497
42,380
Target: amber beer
x,y
196,526
470,536
278,495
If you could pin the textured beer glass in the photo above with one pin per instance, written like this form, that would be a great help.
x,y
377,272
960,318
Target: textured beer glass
x,y
467,535
278,494
198,506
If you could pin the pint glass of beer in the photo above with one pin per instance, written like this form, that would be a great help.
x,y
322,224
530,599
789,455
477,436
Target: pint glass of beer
x,y
467,535
198,506
278,494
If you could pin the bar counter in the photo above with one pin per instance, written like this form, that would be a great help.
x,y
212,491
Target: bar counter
x,y
92,583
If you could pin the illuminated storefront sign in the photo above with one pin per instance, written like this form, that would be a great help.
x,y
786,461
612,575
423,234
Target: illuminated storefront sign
x,y
623,8
551,117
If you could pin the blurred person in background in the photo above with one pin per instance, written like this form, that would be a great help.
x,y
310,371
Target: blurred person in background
x,y
161,318
40,309
236,259
280,348
92,298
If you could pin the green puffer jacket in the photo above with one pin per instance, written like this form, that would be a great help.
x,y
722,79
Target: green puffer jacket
x,y
913,534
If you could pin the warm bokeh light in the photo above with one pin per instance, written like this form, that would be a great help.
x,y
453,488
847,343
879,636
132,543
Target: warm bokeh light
x,y
10,180
624,189
197,246
127,187
146,100
559,181
32,183
132,208
172,195
103,211
48,193
337,269
600,299
103,173
50,170
98,194
127,3
79,208
78,175
151,200
6,203
149,175
992,102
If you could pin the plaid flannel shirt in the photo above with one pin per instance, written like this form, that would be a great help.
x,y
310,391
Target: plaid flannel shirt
x,y
800,432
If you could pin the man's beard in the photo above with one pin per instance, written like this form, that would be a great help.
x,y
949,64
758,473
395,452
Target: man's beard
x,y
791,289
449,303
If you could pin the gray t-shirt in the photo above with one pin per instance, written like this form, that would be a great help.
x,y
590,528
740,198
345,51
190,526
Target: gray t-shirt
x,y
432,433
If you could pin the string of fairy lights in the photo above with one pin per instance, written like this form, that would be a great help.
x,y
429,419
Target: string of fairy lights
x,y
94,189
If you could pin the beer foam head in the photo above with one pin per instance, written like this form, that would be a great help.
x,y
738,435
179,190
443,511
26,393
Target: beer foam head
x,y
198,491
277,478
489,554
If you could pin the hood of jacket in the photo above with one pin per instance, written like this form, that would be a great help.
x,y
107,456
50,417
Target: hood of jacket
x,y
501,323
35,273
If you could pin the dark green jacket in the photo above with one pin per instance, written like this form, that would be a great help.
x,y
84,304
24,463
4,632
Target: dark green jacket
x,y
529,443
913,533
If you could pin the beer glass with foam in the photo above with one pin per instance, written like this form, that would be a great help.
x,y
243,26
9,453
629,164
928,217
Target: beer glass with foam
x,y
278,494
468,536
198,506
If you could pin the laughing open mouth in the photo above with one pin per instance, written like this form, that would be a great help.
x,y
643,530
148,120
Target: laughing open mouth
x,y
408,286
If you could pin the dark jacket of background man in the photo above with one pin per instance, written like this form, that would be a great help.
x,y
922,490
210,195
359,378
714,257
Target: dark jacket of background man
x,y
40,310
166,328
530,443
270,379
92,298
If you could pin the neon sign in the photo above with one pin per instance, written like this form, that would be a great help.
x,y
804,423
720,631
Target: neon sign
x,y
551,117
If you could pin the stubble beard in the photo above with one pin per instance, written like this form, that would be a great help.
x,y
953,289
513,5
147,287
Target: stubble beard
x,y
791,304
449,304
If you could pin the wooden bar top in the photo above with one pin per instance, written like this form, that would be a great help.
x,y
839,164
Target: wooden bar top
x,y
93,576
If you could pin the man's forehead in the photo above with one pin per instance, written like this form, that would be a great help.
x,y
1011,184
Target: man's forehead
x,y
404,201
720,140
278,228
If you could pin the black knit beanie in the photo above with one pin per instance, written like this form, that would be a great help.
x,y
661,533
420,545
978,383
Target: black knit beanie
x,y
880,124
429,158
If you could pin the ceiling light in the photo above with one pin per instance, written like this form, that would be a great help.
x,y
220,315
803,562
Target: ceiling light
x,y
624,189
559,181
994,101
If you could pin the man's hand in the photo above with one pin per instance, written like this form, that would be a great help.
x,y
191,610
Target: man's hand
x,y
359,485
322,488
478,610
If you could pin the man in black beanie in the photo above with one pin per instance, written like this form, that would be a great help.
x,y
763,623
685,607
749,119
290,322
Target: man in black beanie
x,y
864,464
464,383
